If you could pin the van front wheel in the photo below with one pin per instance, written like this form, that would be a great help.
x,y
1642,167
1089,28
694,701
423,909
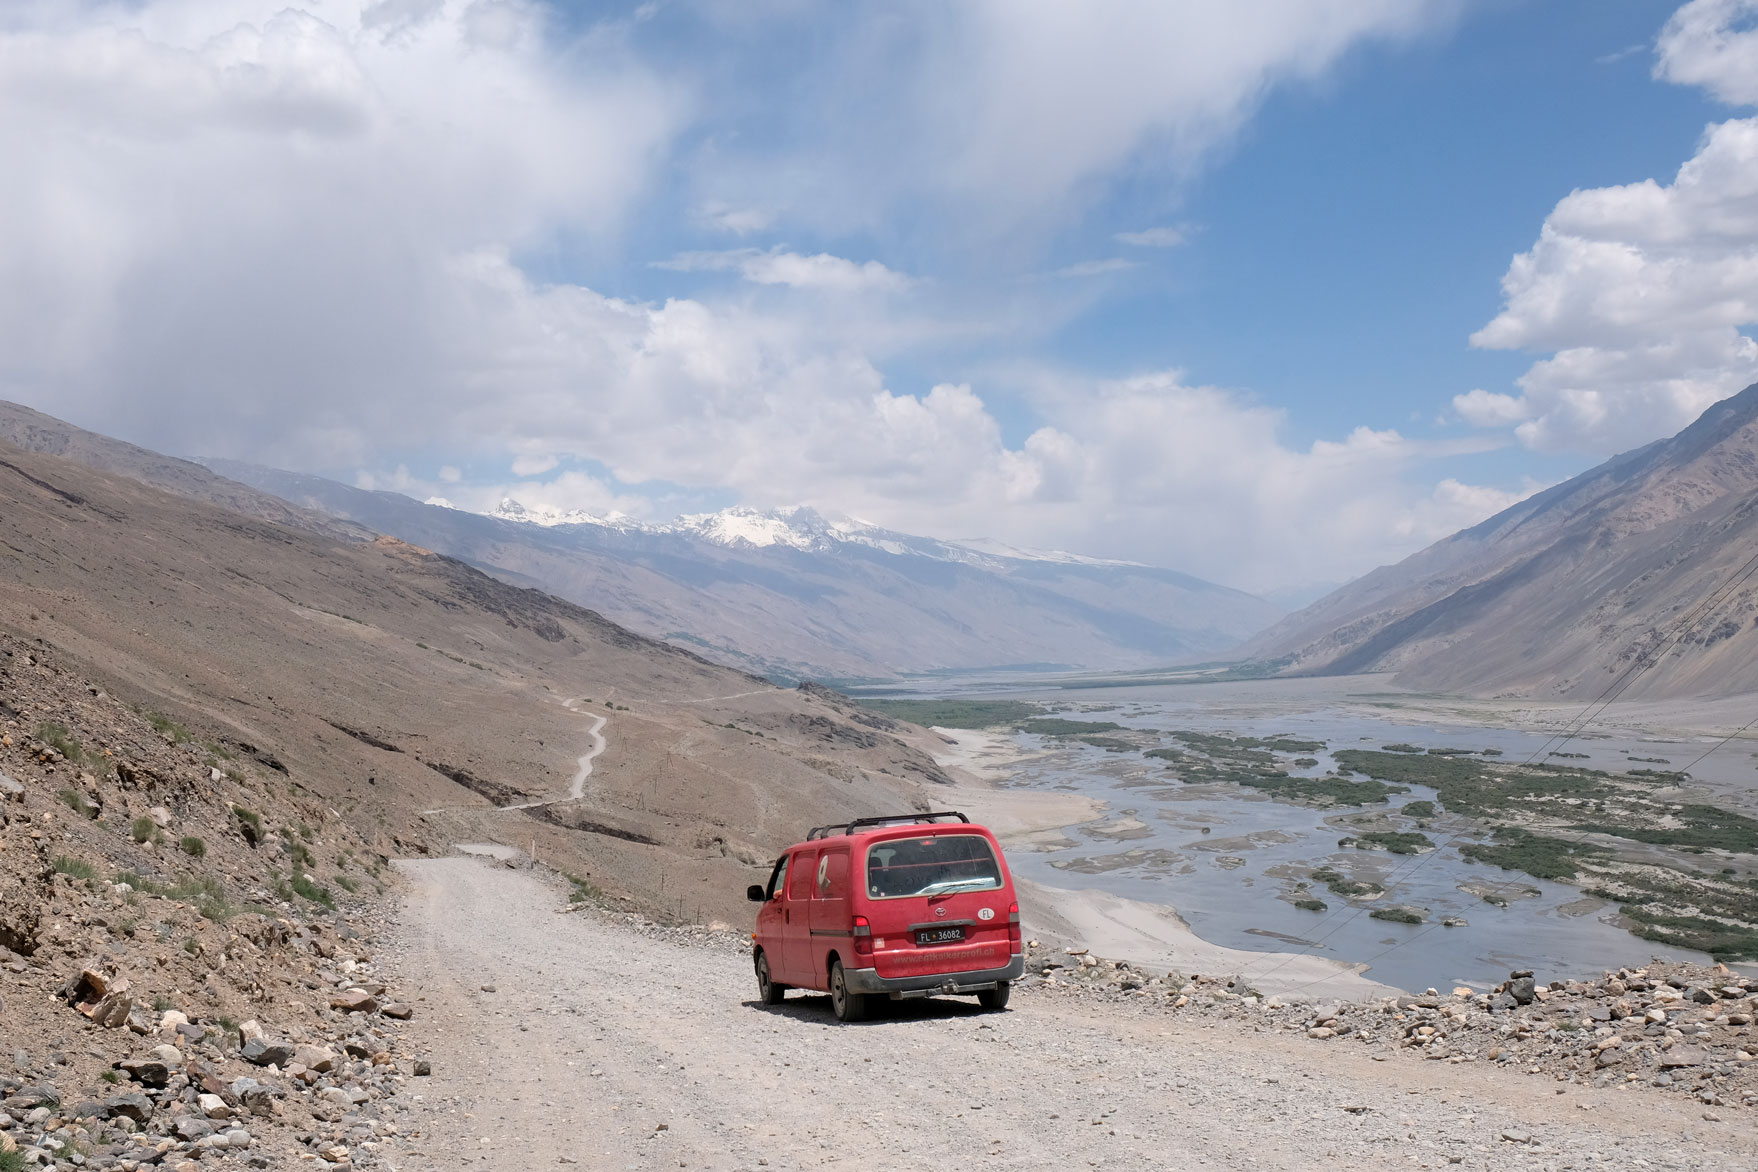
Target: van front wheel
x,y
996,998
847,1006
770,991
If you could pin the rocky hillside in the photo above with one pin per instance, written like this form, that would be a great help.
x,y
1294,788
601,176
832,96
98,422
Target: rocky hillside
x,y
1557,595
183,972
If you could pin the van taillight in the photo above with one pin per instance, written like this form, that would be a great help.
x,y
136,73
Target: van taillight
x,y
863,932
1013,935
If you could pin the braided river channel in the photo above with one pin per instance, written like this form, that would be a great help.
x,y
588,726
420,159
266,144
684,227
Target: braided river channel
x,y
1233,861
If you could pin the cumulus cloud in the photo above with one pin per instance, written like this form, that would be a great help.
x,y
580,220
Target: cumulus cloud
x,y
1713,44
1482,408
1643,294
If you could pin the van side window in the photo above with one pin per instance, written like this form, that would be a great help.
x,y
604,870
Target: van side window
x,y
833,875
802,875
778,877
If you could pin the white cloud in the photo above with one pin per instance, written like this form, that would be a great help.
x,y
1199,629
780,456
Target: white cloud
x,y
287,231
1005,115
1644,294
739,221
779,267
1154,237
1482,408
1096,268
1713,44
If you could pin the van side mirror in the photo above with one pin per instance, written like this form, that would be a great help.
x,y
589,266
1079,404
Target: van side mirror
x,y
755,893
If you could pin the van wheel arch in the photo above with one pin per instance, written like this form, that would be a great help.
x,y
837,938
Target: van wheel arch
x,y
769,991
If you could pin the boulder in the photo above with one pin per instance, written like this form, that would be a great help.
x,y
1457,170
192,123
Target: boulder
x,y
354,1001
133,1106
148,1072
317,1058
265,1053
1522,990
397,1010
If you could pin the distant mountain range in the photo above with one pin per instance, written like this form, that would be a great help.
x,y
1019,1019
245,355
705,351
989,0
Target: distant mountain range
x,y
1640,558
791,594
788,593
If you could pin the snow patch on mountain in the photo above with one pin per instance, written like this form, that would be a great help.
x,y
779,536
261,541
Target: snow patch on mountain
x,y
803,528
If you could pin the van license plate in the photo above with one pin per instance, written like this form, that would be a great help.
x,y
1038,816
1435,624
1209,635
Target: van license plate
x,y
940,935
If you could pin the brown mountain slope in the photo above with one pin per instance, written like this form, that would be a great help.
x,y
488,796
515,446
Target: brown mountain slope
x,y
412,694
35,432
1559,594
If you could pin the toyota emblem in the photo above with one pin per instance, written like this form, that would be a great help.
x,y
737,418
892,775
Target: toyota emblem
x,y
939,911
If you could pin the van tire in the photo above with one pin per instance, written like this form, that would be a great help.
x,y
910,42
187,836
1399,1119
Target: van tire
x,y
996,998
847,1006
771,992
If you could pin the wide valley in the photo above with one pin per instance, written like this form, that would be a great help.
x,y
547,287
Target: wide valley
x,y
1437,841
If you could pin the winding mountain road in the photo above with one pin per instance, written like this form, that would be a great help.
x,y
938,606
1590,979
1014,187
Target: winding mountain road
x,y
576,785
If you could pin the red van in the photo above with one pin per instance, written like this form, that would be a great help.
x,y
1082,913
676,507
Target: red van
x,y
905,906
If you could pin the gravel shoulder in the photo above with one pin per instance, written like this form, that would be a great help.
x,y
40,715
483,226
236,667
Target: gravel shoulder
x,y
609,1043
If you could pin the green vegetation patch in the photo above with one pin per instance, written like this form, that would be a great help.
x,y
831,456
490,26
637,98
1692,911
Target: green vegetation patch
x,y
1538,855
1311,905
1320,791
1340,884
167,727
76,801
1396,915
1056,726
58,738
304,888
78,868
1109,744
1418,810
1399,842
957,713
1723,941
193,846
1703,826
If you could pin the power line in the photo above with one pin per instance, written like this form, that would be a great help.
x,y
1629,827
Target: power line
x,y
1640,665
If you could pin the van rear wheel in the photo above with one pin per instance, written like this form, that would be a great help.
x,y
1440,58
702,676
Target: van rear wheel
x,y
846,1005
996,998
770,991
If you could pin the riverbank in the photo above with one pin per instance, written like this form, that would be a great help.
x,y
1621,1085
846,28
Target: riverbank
x,y
1152,936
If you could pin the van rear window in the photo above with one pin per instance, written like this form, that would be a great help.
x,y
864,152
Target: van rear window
x,y
931,866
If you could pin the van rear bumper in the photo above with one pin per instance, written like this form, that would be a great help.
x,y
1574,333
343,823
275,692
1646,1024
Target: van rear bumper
x,y
868,981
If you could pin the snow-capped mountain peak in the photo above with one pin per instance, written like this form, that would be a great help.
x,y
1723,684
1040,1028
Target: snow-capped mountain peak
x,y
799,527
513,510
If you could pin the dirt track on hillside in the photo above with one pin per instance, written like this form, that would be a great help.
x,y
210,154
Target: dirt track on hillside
x,y
600,1031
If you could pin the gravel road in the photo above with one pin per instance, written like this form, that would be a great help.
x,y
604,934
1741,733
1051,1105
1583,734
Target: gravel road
x,y
608,1045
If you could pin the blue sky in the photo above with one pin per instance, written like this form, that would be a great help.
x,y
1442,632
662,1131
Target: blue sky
x,y
1214,286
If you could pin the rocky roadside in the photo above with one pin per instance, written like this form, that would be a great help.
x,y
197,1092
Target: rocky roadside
x,y
1680,1029
186,966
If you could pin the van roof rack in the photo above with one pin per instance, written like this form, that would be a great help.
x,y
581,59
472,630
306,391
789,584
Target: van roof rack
x,y
887,820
